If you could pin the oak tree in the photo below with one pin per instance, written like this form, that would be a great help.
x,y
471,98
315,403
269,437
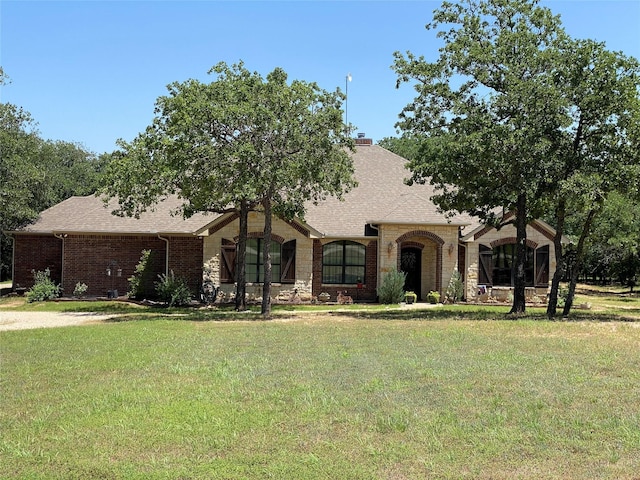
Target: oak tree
x,y
488,108
238,143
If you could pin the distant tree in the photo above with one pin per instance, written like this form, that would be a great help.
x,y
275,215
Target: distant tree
x,y
613,248
407,146
488,108
236,144
597,150
36,174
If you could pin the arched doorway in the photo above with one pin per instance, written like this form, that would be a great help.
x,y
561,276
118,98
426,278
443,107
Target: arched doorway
x,y
411,265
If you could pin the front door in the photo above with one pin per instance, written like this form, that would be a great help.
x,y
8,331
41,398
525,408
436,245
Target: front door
x,y
411,265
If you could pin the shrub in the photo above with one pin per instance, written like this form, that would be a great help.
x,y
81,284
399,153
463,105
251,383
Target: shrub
x,y
455,290
173,290
43,288
433,297
410,297
392,288
140,276
80,290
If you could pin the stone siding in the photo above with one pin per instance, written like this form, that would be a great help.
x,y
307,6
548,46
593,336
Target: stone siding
x,y
285,231
439,252
492,236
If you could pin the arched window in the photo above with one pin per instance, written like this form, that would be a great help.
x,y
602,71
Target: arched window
x,y
343,262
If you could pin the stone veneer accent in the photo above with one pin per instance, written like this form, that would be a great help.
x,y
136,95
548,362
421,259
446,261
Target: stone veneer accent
x,y
282,232
536,237
439,252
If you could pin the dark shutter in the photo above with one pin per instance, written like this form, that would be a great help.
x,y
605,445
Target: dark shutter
x,y
227,261
288,262
485,266
462,260
542,266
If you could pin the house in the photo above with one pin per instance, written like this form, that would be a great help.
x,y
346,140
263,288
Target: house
x,y
339,245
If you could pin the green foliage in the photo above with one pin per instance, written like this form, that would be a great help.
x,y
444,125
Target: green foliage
x,y
563,294
613,251
141,276
36,173
410,297
433,297
455,289
80,289
173,290
407,146
43,288
519,117
391,289
241,140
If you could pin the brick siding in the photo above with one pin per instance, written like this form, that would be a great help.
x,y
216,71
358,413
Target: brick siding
x,y
36,252
368,292
87,257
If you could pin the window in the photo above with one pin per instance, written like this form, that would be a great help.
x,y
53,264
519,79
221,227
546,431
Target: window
x,y
283,264
255,260
497,265
343,262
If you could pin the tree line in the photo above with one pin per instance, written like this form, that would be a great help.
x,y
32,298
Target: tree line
x,y
36,173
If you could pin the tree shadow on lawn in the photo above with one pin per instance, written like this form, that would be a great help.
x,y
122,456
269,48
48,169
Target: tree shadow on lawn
x,y
453,313
493,314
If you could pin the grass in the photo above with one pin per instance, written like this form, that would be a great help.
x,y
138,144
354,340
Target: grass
x,y
367,394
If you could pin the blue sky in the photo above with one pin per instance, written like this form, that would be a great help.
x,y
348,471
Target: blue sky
x,y
90,71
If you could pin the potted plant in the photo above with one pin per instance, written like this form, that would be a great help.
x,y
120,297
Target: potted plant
x,y
410,297
433,297
324,297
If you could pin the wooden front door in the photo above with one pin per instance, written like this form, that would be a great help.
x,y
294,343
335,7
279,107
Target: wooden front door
x,y
411,265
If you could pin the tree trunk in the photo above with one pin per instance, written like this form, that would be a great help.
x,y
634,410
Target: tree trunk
x,y
578,261
560,260
241,255
519,306
266,287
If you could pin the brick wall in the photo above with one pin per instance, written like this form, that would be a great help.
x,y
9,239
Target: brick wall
x,y
87,258
36,252
366,293
185,259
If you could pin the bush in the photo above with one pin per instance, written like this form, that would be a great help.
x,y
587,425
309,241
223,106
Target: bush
x,y
173,290
43,288
392,288
140,276
455,290
433,297
80,290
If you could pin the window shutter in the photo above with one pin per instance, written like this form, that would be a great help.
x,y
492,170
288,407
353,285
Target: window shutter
x,y
485,266
288,262
227,261
542,266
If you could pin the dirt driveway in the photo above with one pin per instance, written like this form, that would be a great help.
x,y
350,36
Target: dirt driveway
x,y
28,320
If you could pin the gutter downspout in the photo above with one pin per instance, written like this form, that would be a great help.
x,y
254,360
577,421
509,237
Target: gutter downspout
x,y
61,236
166,256
13,259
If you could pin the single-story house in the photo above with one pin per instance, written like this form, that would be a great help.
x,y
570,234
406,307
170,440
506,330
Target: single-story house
x,y
346,245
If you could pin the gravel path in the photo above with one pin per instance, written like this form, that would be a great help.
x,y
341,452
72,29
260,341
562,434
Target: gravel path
x,y
29,320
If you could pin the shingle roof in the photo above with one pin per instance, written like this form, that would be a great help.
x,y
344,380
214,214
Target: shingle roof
x,y
381,197
89,215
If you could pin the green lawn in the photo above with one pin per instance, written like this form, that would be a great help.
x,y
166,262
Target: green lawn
x,y
371,394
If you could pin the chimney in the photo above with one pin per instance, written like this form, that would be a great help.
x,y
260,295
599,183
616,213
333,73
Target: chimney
x,y
362,140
